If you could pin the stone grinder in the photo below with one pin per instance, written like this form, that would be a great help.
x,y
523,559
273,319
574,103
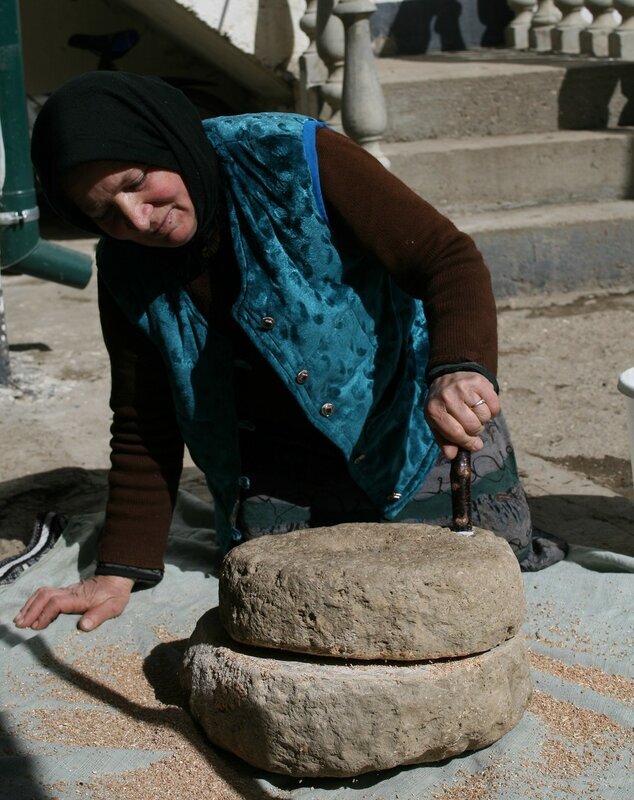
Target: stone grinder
x,y
337,651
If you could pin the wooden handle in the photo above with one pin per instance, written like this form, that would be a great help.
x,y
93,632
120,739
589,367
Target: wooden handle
x,y
460,476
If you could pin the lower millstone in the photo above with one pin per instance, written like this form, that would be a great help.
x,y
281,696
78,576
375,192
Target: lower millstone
x,y
373,591
318,717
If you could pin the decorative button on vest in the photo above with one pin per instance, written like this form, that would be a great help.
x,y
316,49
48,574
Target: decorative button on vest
x,y
392,498
326,410
267,323
302,376
359,458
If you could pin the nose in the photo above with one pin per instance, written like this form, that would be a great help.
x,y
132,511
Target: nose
x,y
134,214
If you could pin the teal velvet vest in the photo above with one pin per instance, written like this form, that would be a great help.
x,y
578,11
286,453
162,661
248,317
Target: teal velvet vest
x,y
349,345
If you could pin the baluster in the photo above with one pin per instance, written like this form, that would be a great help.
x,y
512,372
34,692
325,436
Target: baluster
x,y
566,34
308,23
621,41
312,70
331,46
363,109
516,33
545,19
594,39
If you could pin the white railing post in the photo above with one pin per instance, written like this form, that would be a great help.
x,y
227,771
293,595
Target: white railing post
x,y
308,23
621,41
331,45
516,33
566,34
545,19
594,39
312,70
363,111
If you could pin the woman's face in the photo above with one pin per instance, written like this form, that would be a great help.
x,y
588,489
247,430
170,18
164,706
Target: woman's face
x,y
146,205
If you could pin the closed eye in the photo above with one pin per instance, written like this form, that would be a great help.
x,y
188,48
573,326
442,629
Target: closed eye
x,y
139,180
130,183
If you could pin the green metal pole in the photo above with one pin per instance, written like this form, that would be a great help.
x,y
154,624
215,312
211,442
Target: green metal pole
x,y
18,201
51,262
20,245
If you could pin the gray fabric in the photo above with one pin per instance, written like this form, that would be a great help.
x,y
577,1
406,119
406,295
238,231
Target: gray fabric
x,y
579,612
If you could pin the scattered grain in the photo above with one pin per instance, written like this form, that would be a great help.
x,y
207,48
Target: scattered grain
x,y
479,786
617,686
121,708
558,761
579,725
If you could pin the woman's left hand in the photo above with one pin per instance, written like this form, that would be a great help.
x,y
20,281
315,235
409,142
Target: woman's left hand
x,y
455,411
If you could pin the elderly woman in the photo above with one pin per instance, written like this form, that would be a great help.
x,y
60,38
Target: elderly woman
x,y
319,337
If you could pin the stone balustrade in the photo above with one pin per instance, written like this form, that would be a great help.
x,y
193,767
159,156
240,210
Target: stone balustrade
x,y
600,28
338,77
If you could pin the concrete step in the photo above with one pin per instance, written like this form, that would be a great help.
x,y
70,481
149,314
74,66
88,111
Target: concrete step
x,y
487,94
556,248
489,173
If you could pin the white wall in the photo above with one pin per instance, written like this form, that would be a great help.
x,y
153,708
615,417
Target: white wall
x,y
269,29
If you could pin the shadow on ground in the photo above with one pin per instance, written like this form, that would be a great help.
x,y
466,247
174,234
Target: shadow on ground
x,y
604,523
68,491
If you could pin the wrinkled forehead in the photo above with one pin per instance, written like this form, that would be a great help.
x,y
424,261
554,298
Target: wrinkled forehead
x,y
90,185
81,178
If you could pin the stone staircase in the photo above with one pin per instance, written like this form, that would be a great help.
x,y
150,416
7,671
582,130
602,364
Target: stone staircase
x,y
531,156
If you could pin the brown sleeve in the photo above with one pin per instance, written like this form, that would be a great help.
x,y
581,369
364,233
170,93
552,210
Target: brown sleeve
x,y
427,255
146,446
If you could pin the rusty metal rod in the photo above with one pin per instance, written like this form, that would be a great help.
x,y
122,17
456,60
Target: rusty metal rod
x,y
460,477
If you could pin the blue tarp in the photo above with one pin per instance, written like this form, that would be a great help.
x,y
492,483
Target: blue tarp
x,y
96,715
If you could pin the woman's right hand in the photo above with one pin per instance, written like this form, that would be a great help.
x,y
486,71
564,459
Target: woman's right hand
x,y
96,599
458,406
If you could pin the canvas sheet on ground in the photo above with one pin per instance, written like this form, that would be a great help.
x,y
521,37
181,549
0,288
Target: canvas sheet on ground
x,y
98,715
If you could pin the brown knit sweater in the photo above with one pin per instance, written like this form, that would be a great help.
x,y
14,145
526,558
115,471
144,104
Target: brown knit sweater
x,y
427,256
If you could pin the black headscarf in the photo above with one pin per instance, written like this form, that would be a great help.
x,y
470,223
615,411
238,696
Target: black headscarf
x,y
120,116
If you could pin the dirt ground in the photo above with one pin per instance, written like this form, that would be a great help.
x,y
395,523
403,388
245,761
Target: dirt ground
x,y
560,357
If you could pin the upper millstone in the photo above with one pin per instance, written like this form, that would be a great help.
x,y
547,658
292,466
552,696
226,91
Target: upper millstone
x,y
373,591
